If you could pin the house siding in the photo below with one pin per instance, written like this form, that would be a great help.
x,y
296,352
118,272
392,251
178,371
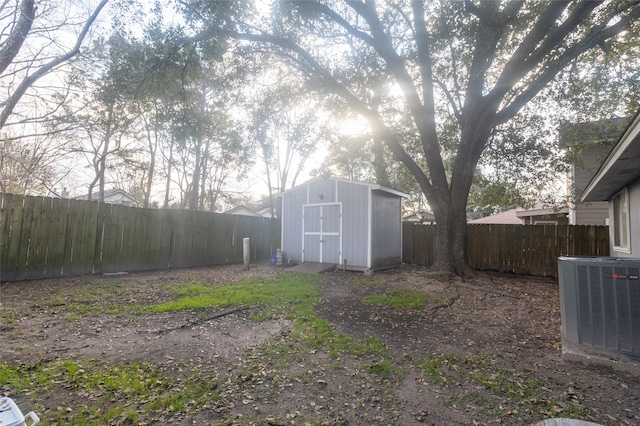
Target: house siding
x,y
592,213
634,224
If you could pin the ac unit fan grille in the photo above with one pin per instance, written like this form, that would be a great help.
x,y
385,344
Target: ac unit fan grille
x,y
608,308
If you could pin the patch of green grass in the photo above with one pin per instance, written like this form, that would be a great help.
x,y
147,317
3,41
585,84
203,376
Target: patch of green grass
x,y
289,296
385,369
9,317
399,299
293,294
318,333
16,377
505,393
112,394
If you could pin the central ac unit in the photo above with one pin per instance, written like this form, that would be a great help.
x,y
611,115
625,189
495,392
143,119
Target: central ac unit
x,y
600,305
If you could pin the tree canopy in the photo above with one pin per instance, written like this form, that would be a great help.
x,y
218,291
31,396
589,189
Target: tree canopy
x,y
441,82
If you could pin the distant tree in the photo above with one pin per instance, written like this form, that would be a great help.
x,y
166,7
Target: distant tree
x,y
29,166
288,127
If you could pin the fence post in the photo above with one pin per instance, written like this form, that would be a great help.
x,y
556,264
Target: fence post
x,y
246,252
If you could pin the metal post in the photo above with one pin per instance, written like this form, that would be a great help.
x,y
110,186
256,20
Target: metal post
x,y
246,252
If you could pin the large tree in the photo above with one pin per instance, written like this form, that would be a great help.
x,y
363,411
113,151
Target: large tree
x,y
467,66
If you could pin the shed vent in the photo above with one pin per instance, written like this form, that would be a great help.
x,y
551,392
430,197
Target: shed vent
x,y
600,305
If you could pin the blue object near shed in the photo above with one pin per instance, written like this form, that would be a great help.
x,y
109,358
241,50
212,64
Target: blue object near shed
x,y
355,225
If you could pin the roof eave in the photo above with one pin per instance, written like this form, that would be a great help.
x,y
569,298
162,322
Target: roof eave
x,y
595,189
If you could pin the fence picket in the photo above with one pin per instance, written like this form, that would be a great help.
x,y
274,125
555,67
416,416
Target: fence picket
x,y
520,249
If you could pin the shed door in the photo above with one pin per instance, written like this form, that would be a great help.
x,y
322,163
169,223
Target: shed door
x,y
321,233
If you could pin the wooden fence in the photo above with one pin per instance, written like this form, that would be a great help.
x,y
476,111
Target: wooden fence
x,y
51,237
519,249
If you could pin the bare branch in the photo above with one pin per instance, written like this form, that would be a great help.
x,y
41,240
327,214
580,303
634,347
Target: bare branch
x,y
9,104
595,37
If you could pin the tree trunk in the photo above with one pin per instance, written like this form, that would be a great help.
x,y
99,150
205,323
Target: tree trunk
x,y
451,244
167,189
451,241
195,183
379,163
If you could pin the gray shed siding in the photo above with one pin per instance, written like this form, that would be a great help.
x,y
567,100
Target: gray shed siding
x,y
634,224
292,223
322,191
336,221
386,230
355,224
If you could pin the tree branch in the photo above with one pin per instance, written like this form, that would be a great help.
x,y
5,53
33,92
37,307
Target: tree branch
x,y
12,101
595,37
530,52
329,83
430,143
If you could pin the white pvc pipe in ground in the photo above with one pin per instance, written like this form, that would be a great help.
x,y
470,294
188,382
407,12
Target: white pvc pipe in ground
x,y
246,251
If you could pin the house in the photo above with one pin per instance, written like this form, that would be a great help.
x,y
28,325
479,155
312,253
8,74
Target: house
x,y
588,144
113,196
243,211
617,182
353,224
544,214
420,218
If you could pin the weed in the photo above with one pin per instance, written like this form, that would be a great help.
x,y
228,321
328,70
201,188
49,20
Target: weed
x,y
383,368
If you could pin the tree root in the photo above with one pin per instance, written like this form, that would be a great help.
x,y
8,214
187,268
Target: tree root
x,y
446,304
199,321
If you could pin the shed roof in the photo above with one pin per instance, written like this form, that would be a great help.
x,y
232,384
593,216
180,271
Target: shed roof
x,y
619,169
372,186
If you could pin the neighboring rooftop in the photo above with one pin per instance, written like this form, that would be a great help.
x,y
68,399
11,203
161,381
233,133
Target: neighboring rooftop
x,y
507,217
540,213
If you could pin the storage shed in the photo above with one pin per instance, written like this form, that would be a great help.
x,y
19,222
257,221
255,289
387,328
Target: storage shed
x,y
353,224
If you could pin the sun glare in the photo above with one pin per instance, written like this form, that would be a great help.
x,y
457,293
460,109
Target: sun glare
x,y
353,126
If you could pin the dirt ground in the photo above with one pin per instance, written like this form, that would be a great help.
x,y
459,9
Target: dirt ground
x,y
486,334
